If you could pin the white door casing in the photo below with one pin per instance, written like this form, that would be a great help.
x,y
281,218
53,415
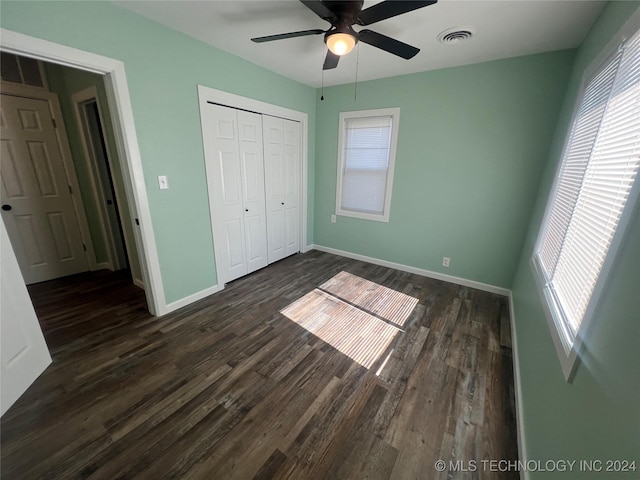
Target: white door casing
x,y
98,166
24,353
42,222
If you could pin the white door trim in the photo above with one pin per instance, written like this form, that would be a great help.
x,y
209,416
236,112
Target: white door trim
x,y
78,99
126,140
208,94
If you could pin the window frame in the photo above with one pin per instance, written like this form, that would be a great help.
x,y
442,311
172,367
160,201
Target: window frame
x,y
394,113
569,351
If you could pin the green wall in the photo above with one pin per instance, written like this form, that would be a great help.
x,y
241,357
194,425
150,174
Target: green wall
x,y
472,143
597,416
65,82
163,70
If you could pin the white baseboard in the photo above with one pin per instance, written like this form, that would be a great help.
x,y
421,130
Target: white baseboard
x,y
522,445
308,248
138,283
183,302
418,271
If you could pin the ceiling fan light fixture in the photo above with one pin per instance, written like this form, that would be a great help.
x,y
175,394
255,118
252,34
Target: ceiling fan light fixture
x,y
340,43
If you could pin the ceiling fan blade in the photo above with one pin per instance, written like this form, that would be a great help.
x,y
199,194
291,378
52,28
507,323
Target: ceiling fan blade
x,y
388,44
282,36
330,61
319,9
390,8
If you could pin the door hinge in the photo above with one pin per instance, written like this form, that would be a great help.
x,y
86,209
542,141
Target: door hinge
x,y
55,125
137,221
84,247
70,189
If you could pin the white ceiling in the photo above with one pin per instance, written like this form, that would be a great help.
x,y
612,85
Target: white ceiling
x,y
503,29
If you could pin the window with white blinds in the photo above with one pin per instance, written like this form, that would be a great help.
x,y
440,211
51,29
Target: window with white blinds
x,y
594,193
367,141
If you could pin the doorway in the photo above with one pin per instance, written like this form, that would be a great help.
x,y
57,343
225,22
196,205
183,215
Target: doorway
x,y
101,166
62,208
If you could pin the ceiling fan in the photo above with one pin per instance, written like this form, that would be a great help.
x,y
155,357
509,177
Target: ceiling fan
x,y
341,37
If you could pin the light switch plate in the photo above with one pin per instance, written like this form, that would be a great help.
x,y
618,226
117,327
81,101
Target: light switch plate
x,y
163,181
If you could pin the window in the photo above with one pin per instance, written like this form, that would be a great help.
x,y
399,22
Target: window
x,y
366,155
593,196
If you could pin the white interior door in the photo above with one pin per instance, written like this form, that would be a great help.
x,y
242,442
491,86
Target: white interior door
x,y
291,181
37,207
282,180
252,171
24,354
274,185
224,182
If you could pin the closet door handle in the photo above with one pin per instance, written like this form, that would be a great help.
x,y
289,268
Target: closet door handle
x,y
282,203
6,207
246,209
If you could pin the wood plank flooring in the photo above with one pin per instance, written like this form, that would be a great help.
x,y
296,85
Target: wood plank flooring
x,y
230,388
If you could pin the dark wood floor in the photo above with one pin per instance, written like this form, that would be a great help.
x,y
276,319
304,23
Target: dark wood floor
x,y
230,388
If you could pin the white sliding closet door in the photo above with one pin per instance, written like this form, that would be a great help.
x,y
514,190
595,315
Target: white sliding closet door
x,y
235,173
292,186
252,174
274,173
282,174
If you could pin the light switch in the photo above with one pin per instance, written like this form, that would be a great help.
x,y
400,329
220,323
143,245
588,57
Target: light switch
x,y
163,181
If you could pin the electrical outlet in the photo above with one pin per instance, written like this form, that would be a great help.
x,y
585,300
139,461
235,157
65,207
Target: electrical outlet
x,y
446,261
333,219
163,182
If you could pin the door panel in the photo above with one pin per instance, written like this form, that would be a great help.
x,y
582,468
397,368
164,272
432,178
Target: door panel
x,y
252,167
24,353
252,171
230,178
28,237
42,222
225,191
254,225
234,233
274,169
282,166
60,235
292,185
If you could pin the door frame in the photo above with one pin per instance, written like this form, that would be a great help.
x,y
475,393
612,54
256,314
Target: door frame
x,y
79,100
53,102
208,95
119,103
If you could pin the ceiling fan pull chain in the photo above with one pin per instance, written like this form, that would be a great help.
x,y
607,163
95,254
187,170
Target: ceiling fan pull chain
x,y
322,74
355,92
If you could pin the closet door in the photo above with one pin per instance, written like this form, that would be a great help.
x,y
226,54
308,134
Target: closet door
x,y
291,181
282,181
253,197
274,184
235,173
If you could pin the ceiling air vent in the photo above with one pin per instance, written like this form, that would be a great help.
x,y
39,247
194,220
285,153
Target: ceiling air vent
x,y
456,35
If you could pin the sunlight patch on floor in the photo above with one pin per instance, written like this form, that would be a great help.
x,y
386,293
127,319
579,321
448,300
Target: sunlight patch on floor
x,y
381,301
357,317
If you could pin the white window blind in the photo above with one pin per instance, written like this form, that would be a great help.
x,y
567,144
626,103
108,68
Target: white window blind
x,y
367,141
366,163
598,170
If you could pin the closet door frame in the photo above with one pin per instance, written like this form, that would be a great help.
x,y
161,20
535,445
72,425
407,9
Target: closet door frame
x,y
207,95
